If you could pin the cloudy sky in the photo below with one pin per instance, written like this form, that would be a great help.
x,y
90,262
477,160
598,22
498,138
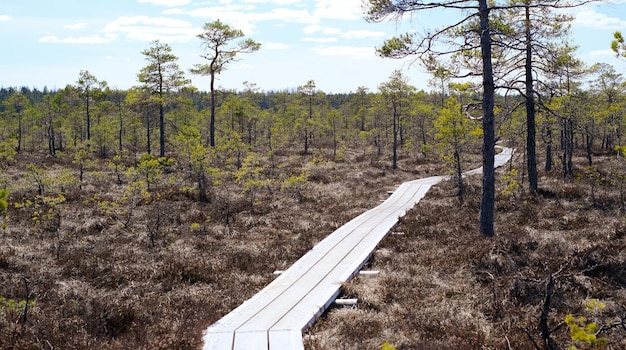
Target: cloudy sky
x,y
47,43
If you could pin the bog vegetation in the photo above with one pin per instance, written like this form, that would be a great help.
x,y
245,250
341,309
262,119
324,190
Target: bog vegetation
x,y
136,218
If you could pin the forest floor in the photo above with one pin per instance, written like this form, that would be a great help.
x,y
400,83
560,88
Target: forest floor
x,y
102,270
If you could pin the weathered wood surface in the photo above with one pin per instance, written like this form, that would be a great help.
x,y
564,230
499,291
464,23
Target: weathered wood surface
x,y
275,318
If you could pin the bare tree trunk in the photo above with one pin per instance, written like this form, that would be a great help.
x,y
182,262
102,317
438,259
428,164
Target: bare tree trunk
x,y
543,318
121,131
212,120
161,130
394,162
589,148
487,204
27,299
202,187
567,145
530,109
459,175
549,149
51,146
19,132
88,117
148,127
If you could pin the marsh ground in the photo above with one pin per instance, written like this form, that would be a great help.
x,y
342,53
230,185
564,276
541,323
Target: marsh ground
x,y
154,273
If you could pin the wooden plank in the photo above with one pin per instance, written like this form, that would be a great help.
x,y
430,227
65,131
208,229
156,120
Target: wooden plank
x,y
286,339
218,339
326,262
378,222
350,260
252,340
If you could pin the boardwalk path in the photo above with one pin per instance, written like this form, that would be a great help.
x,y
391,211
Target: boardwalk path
x,y
275,318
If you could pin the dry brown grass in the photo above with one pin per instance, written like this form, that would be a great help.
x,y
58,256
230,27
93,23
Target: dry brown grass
x,y
97,281
443,286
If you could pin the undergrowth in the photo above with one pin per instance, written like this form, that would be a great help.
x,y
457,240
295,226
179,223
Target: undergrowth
x,y
443,286
127,259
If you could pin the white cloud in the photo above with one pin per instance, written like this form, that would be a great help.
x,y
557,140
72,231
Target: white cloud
x,y
277,2
145,28
363,34
248,13
233,15
246,17
243,66
333,9
596,20
321,40
316,28
350,34
76,26
169,3
352,51
275,46
88,39
140,28
602,54
4,18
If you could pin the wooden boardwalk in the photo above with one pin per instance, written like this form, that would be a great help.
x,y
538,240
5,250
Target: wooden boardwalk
x,y
275,318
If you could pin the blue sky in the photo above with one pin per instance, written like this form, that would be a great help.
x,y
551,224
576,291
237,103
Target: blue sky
x,y
47,43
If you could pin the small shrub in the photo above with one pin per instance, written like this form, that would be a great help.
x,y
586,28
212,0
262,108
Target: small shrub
x,y
512,183
387,346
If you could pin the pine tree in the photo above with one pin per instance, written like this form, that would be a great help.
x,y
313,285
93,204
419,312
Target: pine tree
x,y
161,76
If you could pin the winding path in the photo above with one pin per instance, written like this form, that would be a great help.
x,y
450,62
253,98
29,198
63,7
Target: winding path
x,y
275,318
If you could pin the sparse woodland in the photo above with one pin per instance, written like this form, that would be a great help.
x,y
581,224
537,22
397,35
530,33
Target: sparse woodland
x,y
136,218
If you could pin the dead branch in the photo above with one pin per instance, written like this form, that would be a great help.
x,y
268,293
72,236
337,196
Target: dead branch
x,y
548,342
